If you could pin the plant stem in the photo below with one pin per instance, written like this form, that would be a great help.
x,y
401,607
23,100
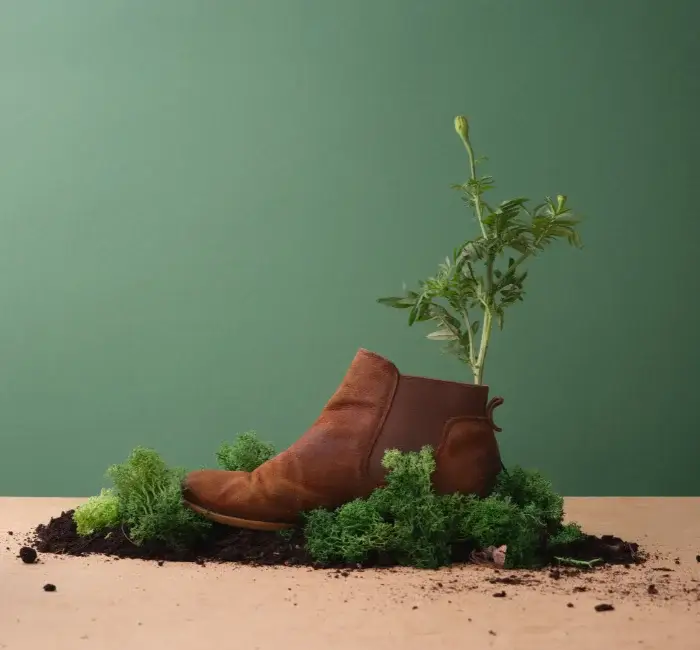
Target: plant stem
x,y
470,336
478,362
483,347
476,195
588,564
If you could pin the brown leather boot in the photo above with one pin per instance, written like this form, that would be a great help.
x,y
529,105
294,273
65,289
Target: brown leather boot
x,y
339,458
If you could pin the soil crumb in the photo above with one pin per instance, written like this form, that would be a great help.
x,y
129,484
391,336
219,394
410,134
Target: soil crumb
x,y
27,554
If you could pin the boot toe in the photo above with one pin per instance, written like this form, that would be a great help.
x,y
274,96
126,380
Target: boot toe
x,y
217,491
189,491
203,488
188,494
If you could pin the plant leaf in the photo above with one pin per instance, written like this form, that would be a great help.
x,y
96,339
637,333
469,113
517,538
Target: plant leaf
x,y
397,302
500,317
442,335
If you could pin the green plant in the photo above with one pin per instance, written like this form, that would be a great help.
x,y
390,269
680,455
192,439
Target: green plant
x,y
245,454
147,497
473,288
409,521
405,519
150,500
567,534
527,488
97,513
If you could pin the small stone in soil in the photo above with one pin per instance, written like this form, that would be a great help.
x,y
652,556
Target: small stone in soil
x,y
569,604
27,555
604,607
9,532
500,594
652,590
49,587
492,633
697,558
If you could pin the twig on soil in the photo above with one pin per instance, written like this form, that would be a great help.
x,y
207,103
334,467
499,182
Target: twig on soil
x,y
584,564
126,536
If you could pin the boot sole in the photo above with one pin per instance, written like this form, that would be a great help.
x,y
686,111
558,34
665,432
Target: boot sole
x,y
237,522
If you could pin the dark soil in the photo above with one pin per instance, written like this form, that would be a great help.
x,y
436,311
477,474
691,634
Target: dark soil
x,y
226,544
27,555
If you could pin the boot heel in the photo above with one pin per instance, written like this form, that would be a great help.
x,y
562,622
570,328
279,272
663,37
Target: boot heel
x,y
468,460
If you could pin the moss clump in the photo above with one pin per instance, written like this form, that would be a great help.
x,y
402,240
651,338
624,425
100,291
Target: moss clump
x,y
150,500
97,513
245,454
409,522
405,520
146,500
567,534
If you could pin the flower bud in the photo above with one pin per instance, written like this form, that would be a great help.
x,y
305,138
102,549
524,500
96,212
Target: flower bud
x,y
561,200
462,127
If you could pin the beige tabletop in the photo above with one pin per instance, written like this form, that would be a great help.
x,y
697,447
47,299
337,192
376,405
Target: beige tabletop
x,y
127,604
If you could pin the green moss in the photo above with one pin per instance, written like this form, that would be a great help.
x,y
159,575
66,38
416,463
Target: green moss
x,y
567,534
97,513
405,519
150,500
245,454
147,498
410,522
530,488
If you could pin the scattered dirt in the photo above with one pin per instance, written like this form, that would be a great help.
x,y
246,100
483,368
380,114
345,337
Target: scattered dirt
x,y
508,580
608,548
226,544
27,554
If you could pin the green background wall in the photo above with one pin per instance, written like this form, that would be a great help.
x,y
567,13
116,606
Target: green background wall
x,y
200,202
